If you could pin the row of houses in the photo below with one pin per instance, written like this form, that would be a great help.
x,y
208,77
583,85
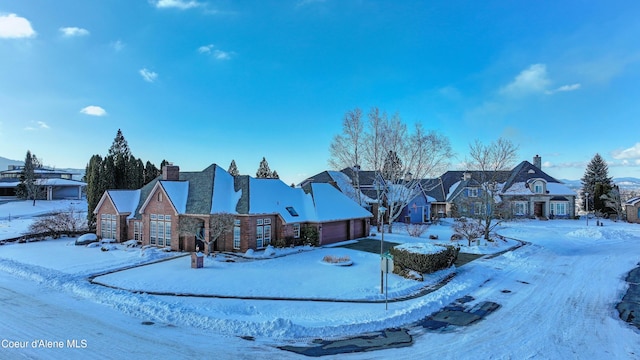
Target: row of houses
x,y
529,190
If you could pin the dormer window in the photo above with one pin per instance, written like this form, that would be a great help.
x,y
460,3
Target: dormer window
x,y
472,192
537,188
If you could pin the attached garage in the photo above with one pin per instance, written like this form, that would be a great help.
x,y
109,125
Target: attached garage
x,y
333,232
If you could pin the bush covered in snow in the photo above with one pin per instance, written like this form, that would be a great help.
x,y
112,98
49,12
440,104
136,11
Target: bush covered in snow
x,y
423,258
337,260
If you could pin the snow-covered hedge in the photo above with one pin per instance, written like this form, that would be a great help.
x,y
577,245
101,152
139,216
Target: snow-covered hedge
x,y
422,257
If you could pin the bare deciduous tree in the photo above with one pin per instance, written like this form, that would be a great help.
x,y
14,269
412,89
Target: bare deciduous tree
x,y
69,222
489,160
400,158
612,200
219,224
346,147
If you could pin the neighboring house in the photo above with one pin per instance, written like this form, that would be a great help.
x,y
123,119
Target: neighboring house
x,y
419,209
632,208
266,210
534,193
56,184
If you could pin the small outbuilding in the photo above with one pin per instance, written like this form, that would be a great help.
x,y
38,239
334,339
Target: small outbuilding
x,y
632,208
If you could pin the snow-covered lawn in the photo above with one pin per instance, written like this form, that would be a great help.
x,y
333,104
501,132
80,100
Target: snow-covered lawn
x,y
16,216
557,298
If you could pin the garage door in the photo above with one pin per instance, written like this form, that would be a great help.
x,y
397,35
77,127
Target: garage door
x,y
358,229
334,232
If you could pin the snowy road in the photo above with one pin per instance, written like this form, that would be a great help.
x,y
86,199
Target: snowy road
x,y
557,297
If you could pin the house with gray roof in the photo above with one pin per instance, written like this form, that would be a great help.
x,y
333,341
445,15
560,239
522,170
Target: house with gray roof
x,y
632,209
266,211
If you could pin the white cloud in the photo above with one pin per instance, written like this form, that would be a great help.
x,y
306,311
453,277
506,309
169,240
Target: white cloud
x,y
93,111
178,4
13,26
216,53
73,31
117,45
531,80
222,55
630,153
38,125
148,75
205,49
564,88
534,80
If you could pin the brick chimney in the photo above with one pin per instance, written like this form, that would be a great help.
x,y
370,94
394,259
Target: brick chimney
x,y
537,162
171,172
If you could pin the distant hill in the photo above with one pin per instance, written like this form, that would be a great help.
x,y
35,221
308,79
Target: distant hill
x,y
4,165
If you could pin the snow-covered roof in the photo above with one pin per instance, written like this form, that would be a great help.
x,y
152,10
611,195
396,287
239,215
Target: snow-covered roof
x,y
177,191
633,201
45,182
225,198
269,196
125,201
553,188
332,205
345,184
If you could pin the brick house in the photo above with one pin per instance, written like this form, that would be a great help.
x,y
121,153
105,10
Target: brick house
x,y
265,210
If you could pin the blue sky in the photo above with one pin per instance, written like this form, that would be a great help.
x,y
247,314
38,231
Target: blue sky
x,y
197,82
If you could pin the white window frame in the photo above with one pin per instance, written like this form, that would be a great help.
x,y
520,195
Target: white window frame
x,y
296,231
236,234
472,192
559,208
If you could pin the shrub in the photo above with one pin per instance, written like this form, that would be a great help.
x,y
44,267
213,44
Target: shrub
x,y
423,258
280,243
416,230
433,237
336,259
309,235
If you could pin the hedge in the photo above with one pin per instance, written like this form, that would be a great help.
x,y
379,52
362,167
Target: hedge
x,y
423,258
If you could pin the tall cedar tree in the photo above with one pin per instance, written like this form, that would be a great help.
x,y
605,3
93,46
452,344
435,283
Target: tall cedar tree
x,y
263,171
118,170
596,182
233,169
94,190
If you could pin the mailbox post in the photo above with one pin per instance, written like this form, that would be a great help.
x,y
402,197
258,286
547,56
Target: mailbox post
x,y
386,266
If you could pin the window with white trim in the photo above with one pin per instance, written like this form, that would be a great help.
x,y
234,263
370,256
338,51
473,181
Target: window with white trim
x,y
137,230
263,232
520,208
236,234
296,231
538,188
108,226
267,232
472,192
160,230
559,207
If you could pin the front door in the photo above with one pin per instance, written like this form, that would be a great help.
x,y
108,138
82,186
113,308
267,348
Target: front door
x,y
539,209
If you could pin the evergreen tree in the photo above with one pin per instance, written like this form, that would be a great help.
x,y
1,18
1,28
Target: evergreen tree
x,y
596,182
392,168
233,169
150,172
263,171
93,189
120,153
135,171
162,165
29,187
274,175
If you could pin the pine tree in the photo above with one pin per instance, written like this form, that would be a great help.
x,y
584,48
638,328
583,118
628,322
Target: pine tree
x,y
150,172
596,182
263,171
29,187
233,169
120,153
274,175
